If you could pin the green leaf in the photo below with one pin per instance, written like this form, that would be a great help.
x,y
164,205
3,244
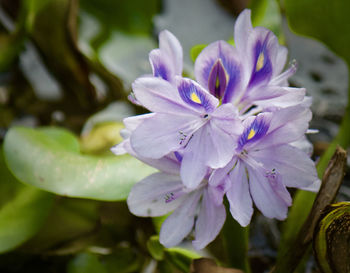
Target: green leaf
x,y
32,7
266,13
64,137
23,210
324,20
60,169
196,50
181,258
235,240
102,136
67,228
133,16
123,260
86,263
155,248
319,19
10,47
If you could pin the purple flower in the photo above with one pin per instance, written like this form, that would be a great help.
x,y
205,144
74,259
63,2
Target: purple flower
x,y
250,73
188,119
265,164
234,132
163,192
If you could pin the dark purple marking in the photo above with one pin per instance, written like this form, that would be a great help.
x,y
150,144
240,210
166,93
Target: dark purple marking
x,y
265,72
161,71
178,156
217,81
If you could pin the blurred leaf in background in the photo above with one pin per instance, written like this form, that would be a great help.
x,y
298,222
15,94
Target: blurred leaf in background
x,y
23,209
60,168
326,21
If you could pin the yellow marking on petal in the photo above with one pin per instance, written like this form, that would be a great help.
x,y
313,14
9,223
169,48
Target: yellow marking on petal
x,y
195,98
260,62
251,134
217,83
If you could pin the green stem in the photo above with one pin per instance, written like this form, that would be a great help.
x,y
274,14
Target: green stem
x,y
236,240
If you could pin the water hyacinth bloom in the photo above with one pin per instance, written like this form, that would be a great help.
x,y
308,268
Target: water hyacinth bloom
x,y
186,118
205,141
251,72
163,192
265,164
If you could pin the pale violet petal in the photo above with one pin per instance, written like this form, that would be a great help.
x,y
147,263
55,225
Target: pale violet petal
x,y
218,176
210,220
158,95
162,134
148,197
161,65
241,205
295,166
287,125
171,46
180,223
243,28
267,198
193,167
280,60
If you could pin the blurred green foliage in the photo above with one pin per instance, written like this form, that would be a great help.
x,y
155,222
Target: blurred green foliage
x,y
60,168
66,213
328,22
23,210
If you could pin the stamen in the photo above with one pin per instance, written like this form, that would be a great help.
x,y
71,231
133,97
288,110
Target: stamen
x,y
169,197
272,176
182,137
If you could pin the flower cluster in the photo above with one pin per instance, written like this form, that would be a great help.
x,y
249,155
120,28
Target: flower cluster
x,y
231,132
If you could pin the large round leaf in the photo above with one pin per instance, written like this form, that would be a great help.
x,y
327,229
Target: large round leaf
x,y
50,161
23,210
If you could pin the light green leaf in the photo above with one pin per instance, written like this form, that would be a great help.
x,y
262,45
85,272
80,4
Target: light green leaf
x,y
123,260
67,228
235,240
50,163
196,50
23,210
155,248
266,13
101,137
86,263
32,7
324,20
181,258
